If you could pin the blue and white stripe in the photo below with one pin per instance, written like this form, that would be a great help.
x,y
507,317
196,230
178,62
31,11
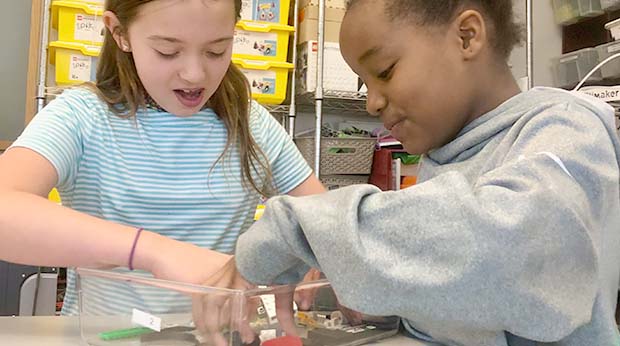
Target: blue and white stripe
x,y
155,171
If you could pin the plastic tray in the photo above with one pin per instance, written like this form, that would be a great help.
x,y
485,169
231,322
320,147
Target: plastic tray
x,y
165,316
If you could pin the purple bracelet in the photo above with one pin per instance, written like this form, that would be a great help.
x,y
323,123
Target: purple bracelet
x,y
133,247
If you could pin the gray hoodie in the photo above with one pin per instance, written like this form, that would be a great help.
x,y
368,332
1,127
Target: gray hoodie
x,y
511,236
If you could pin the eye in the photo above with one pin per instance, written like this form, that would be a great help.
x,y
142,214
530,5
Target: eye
x,y
216,54
166,55
387,73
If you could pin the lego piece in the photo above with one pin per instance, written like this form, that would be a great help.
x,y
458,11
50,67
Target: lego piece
x,y
284,341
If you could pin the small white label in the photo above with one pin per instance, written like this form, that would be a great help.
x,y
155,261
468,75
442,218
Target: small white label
x,y
79,68
88,28
261,82
246,9
604,93
267,334
269,303
146,320
255,43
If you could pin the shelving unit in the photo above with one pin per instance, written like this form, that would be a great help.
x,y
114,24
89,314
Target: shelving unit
x,y
341,102
321,100
591,32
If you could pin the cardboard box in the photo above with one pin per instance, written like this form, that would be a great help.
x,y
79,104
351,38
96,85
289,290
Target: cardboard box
x,y
337,75
309,23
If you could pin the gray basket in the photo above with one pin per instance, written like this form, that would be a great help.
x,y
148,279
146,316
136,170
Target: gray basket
x,y
333,182
357,159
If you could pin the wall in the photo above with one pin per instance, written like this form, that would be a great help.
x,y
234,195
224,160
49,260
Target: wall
x,y
15,26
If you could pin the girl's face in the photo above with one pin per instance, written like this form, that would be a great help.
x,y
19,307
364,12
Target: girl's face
x,y
417,79
182,50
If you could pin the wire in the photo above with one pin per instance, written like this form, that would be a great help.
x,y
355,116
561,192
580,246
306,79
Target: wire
x,y
617,55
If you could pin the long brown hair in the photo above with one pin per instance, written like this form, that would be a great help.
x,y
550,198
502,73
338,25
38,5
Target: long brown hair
x,y
119,85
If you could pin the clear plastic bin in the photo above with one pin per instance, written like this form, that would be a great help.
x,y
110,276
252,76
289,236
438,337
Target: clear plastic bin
x,y
590,8
609,5
570,11
570,69
614,29
612,68
230,315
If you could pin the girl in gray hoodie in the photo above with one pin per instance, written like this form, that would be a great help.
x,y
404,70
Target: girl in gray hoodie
x,y
511,236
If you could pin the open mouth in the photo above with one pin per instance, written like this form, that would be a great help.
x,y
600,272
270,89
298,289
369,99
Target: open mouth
x,y
190,97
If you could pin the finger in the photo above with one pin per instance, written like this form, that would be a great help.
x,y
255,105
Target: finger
x,y
198,313
285,313
247,333
215,316
249,315
305,298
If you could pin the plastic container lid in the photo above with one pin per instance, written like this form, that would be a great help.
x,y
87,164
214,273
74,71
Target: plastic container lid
x,y
614,27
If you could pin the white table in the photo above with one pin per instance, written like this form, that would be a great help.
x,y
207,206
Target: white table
x,y
63,331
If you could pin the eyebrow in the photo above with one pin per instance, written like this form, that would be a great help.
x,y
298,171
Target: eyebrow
x,y
176,40
369,53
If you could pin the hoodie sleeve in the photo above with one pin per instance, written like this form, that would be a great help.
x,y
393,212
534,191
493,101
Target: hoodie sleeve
x,y
523,234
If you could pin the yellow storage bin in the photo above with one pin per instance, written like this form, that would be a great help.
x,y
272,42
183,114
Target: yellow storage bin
x,y
75,62
268,79
78,21
261,41
272,11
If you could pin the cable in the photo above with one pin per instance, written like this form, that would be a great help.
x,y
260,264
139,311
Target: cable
x,y
617,55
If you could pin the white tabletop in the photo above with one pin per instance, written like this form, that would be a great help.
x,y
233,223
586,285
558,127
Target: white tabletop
x,y
63,331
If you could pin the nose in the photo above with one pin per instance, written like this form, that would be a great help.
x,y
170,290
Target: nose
x,y
375,102
193,70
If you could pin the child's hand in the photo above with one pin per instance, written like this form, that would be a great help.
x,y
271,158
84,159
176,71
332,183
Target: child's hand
x,y
169,259
212,312
305,297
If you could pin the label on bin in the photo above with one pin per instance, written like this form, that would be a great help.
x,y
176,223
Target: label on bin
x,y
246,9
255,43
269,303
88,28
261,82
146,320
79,70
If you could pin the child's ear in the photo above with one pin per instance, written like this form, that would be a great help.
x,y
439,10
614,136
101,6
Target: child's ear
x,y
115,28
472,33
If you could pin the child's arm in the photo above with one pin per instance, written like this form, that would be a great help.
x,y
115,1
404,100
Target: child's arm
x,y
524,237
36,231
310,186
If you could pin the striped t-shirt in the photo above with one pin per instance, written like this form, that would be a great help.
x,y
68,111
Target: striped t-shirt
x,y
155,171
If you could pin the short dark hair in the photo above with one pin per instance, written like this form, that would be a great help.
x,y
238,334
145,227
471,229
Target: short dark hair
x,y
505,32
